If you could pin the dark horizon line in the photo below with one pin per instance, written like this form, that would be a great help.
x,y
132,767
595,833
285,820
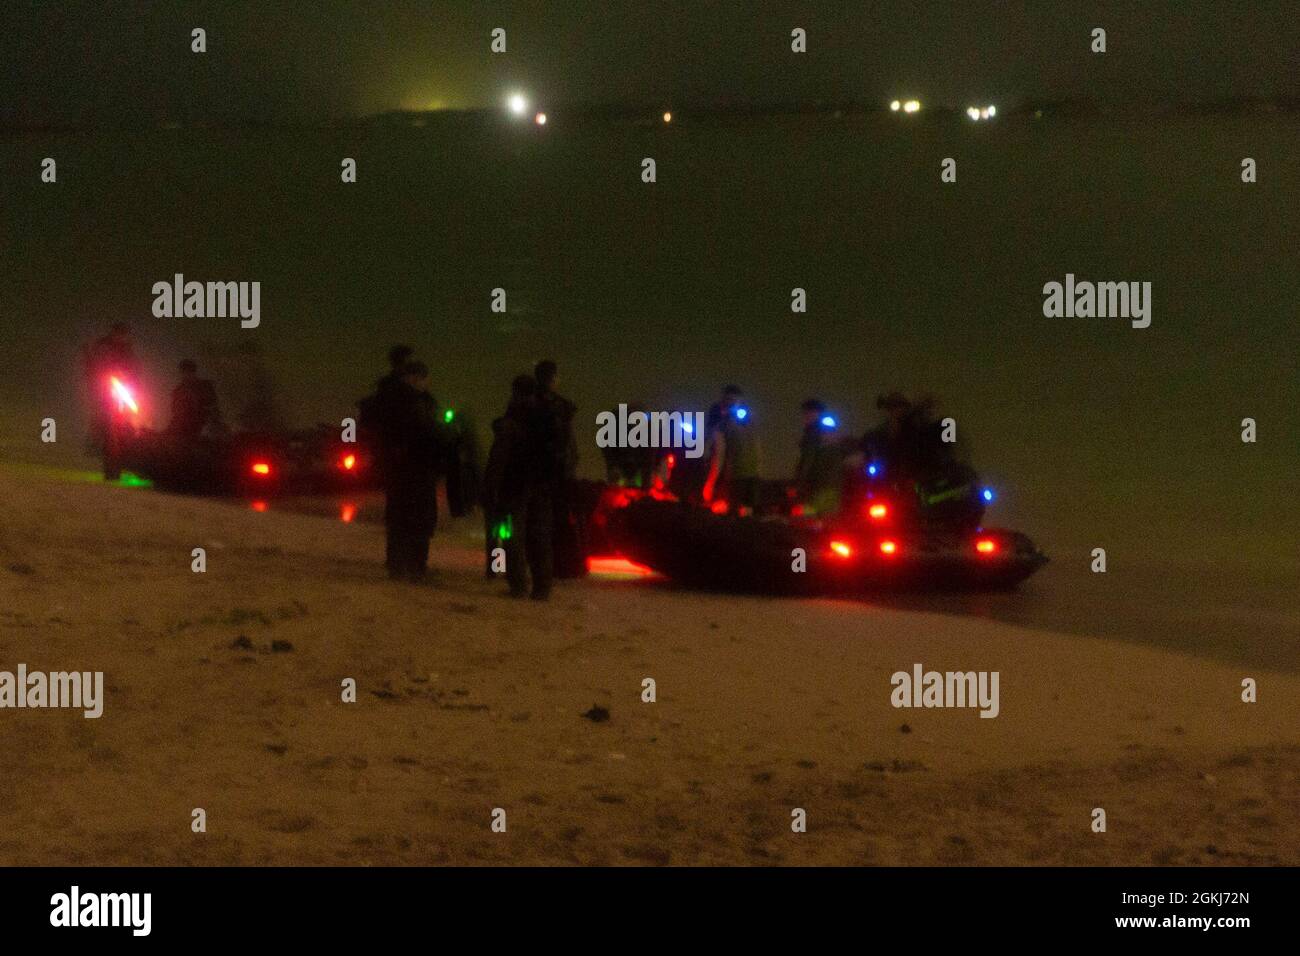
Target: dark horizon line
x,y
1059,106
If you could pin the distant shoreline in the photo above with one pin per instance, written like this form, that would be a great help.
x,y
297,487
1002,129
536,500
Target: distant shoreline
x,y
649,115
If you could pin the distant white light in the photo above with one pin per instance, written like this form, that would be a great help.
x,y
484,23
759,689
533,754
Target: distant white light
x,y
518,104
911,106
540,119
896,106
668,117
993,110
984,113
973,112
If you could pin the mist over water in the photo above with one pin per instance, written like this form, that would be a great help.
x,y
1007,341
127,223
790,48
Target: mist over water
x,y
661,293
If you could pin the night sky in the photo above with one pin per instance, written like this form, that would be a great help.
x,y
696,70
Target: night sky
x,y
287,60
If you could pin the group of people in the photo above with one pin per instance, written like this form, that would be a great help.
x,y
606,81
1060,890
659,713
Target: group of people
x,y
529,487
529,478
530,471
726,477
906,445
110,359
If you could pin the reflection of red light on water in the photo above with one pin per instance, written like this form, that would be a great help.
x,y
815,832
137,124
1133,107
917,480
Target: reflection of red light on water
x,y
347,513
261,468
718,507
888,547
258,505
619,566
349,462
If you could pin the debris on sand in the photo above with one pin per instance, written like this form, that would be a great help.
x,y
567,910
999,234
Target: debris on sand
x,y
281,647
897,766
241,643
597,714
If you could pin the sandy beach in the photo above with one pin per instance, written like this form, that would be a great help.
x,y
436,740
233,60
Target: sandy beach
x,y
223,692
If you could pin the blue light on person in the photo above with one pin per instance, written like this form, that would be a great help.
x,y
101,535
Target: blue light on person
x,y
742,412
987,494
688,428
873,469
828,421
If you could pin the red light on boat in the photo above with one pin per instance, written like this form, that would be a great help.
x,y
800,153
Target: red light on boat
x,y
878,512
718,507
261,468
347,513
842,549
349,462
797,511
986,546
888,547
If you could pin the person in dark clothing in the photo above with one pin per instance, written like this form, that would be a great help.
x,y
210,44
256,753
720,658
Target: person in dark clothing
x,y
464,478
733,456
570,533
378,412
399,356
697,480
720,410
110,357
194,406
411,452
113,354
908,443
519,488
818,475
